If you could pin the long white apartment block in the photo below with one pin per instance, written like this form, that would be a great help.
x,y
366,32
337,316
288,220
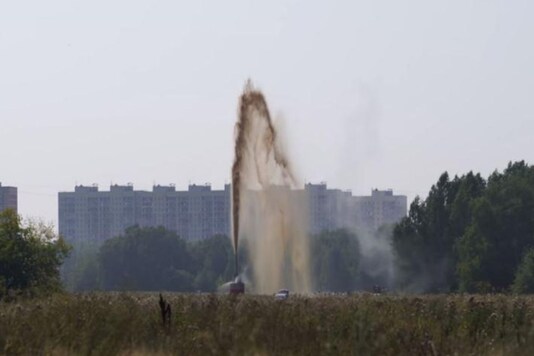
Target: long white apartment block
x,y
89,214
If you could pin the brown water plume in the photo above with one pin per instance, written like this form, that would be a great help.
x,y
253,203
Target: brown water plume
x,y
267,214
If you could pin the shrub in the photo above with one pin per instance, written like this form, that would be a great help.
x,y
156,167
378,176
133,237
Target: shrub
x,y
30,256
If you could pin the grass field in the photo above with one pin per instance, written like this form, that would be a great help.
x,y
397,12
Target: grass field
x,y
363,324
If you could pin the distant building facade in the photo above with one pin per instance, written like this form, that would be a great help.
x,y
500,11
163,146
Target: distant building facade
x,y
328,208
8,198
381,208
332,209
88,214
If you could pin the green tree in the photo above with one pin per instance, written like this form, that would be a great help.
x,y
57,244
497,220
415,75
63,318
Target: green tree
x,y
148,259
501,231
336,258
80,271
425,241
524,277
213,262
30,256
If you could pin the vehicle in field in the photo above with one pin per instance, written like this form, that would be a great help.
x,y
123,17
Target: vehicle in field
x,y
237,287
282,294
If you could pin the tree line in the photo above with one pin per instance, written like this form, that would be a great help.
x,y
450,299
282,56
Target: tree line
x,y
470,235
154,259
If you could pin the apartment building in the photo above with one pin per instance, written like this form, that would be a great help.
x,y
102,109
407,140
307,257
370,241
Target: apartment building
x,y
8,198
88,214
332,209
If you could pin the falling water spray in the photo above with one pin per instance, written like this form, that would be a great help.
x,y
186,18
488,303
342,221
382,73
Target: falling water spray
x,y
266,212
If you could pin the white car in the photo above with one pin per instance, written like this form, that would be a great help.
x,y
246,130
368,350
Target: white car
x,y
282,294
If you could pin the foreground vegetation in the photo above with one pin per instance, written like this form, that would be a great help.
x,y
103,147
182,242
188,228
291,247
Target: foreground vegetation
x,y
113,323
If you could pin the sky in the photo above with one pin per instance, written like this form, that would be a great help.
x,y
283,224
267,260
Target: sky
x,y
367,94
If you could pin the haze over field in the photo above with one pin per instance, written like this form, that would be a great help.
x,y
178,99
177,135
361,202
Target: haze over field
x,y
383,94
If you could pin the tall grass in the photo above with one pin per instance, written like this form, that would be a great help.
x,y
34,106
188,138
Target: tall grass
x,y
363,324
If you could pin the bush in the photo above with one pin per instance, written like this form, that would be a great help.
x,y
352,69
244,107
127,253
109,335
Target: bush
x,y
30,256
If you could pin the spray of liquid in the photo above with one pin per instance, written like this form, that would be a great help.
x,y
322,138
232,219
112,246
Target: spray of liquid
x,y
268,216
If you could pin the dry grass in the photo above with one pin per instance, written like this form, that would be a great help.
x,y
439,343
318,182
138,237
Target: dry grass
x,y
364,324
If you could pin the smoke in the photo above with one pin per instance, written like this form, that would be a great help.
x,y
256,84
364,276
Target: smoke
x,y
266,216
377,261
376,256
360,152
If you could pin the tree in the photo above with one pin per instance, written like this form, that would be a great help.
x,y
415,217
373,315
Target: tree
x,y
30,256
524,277
501,231
336,257
425,241
213,262
148,259
467,235
80,271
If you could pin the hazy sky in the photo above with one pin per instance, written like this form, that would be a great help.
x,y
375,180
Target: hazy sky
x,y
384,94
